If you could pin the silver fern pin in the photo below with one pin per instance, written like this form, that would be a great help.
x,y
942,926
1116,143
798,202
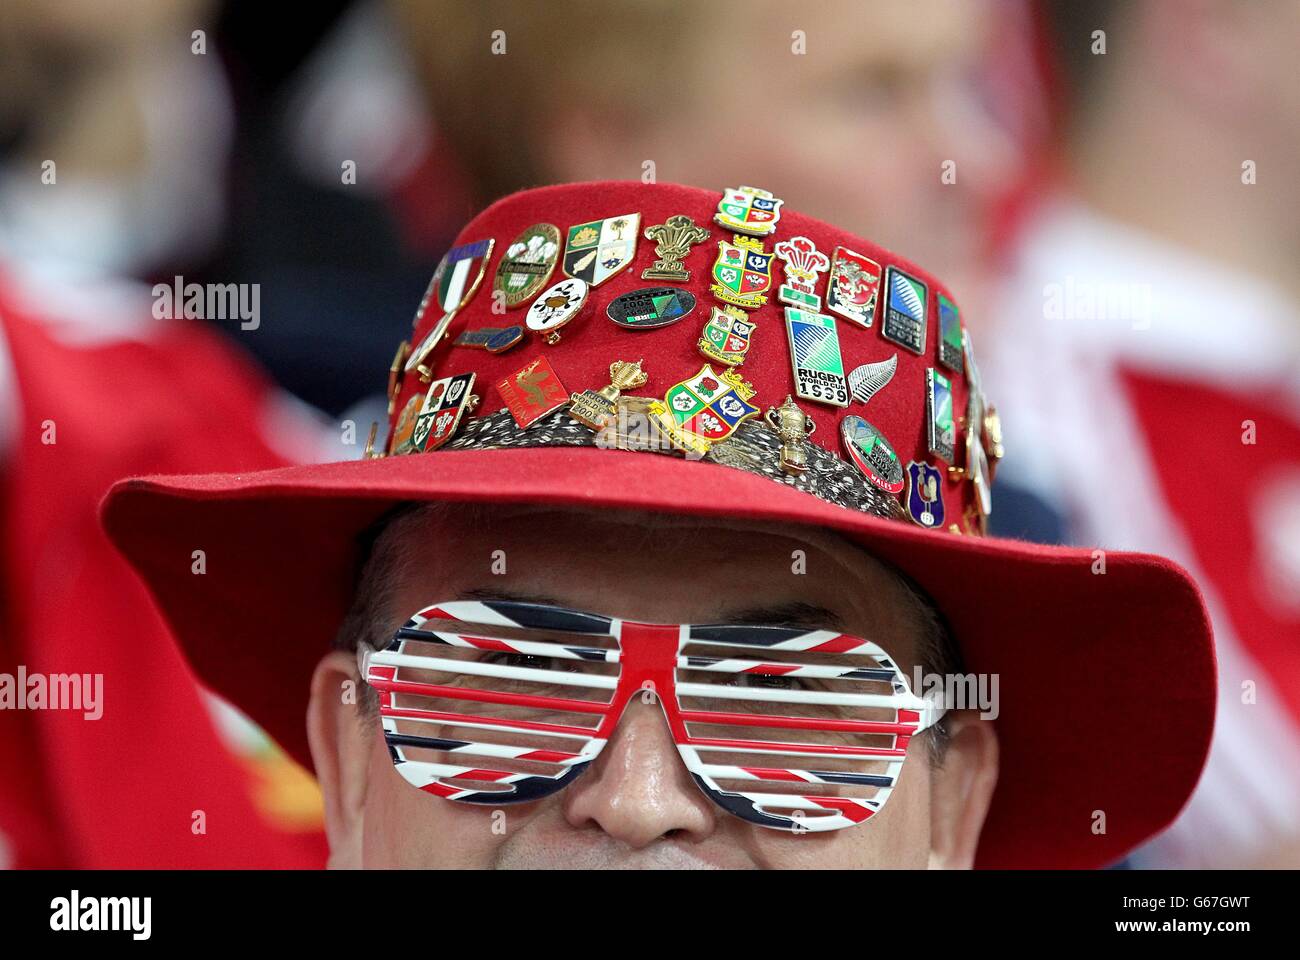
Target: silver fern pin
x,y
870,378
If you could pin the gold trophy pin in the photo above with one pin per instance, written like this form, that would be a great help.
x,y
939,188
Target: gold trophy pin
x,y
595,408
794,428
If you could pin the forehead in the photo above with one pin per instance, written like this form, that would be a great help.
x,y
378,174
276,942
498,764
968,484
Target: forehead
x,y
646,567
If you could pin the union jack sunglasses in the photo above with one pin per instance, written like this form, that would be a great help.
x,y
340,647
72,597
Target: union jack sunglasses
x,y
496,702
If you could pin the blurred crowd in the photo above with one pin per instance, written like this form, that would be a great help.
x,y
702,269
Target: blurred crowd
x,y
1110,189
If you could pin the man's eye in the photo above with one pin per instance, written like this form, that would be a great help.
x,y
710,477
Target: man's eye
x,y
770,681
521,660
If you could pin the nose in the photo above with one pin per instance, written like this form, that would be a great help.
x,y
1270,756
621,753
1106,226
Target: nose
x,y
638,790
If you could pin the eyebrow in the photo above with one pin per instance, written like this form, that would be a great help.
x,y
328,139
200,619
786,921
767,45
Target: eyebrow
x,y
794,613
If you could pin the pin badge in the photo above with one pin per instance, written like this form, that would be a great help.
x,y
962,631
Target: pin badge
x,y
418,360
650,307
853,287
533,391
597,250
400,442
977,470
460,272
905,307
794,428
597,408
395,372
872,454
705,409
491,339
557,306
924,494
743,273
748,210
727,336
941,434
673,241
869,379
441,411
635,426
803,264
951,344
815,358
527,263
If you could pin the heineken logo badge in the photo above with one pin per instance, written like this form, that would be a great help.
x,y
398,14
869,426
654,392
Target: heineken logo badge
x,y
650,307
853,287
533,391
804,263
872,454
597,250
924,494
705,409
527,263
748,210
491,339
441,411
459,273
941,434
743,272
951,347
727,336
815,358
905,307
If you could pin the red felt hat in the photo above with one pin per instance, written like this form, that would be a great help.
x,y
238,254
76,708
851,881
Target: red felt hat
x,y
1106,673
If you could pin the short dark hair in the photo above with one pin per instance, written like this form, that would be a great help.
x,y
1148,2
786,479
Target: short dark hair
x,y
372,610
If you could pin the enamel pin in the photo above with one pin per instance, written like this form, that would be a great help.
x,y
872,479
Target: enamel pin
x,y
743,273
395,372
595,408
459,273
418,360
924,499
596,251
853,287
400,441
727,336
794,428
533,391
803,264
748,210
870,378
650,307
441,411
905,310
872,454
951,344
941,435
706,409
673,241
557,306
527,263
491,339
815,358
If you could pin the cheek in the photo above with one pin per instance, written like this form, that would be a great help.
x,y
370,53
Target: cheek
x,y
898,837
407,828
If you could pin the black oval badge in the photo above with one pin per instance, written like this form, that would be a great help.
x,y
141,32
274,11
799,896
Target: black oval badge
x,y
650,307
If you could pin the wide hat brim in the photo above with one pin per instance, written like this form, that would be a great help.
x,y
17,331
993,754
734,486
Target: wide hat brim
x,y
1106,679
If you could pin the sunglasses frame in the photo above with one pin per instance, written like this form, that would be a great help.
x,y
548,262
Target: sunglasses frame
x,y
649,657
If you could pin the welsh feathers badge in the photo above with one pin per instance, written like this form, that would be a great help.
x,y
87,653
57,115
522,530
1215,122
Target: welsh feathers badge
x,y
596,251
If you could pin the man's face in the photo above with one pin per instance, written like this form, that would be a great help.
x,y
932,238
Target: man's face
x,y
637,805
